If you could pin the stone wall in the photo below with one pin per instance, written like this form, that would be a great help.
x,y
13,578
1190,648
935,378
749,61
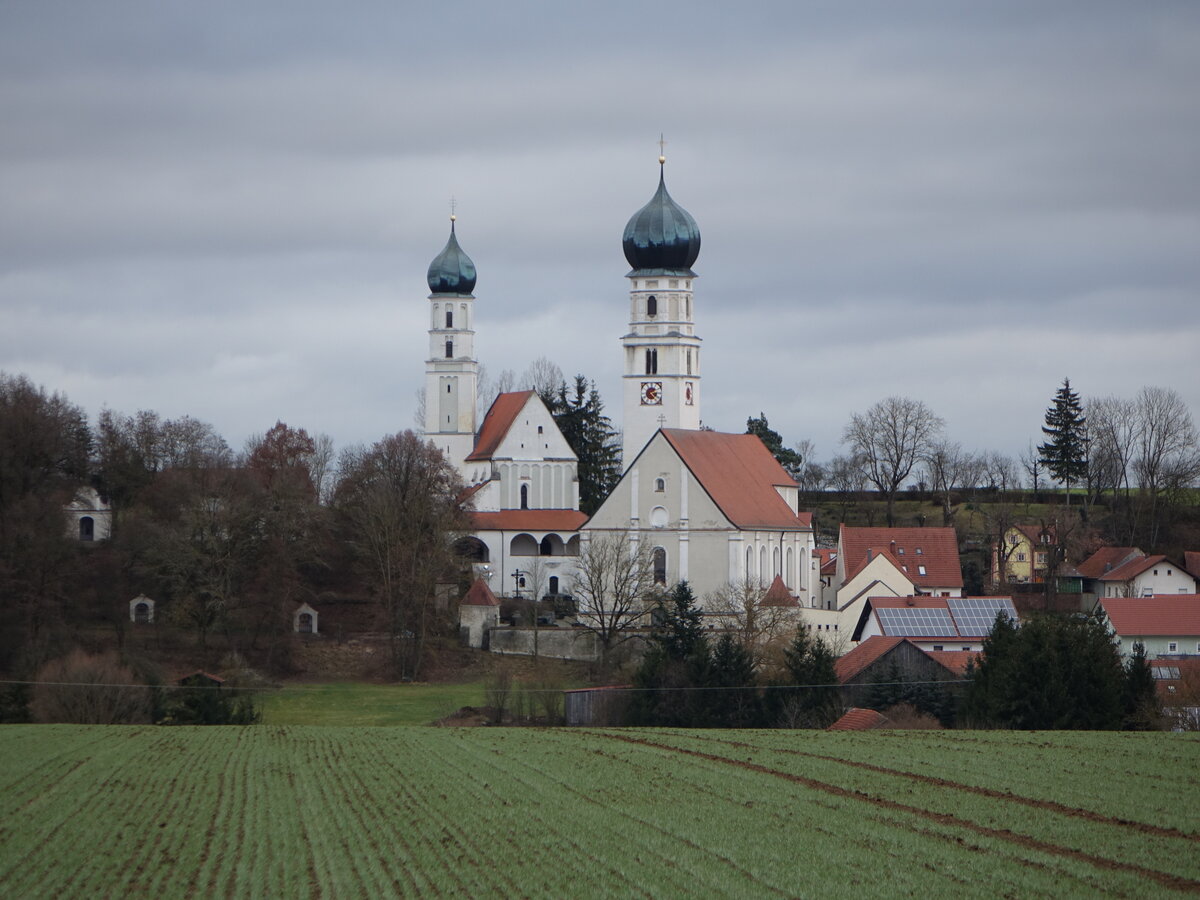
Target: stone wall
x,y
553,643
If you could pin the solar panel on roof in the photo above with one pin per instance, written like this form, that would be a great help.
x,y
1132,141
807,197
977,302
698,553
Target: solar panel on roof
x,y
975,616
909,621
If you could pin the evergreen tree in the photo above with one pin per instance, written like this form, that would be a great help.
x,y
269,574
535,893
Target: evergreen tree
x,y
579,414
733,700
676,664
1141,697
1053,672
791,461
1065,453
808,661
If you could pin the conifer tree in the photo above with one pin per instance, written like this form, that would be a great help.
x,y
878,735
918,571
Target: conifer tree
x,y
579,415
791,461
1065,452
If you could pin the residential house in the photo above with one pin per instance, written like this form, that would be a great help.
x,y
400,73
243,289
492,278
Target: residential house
x,y
933,623
1146,576
1025,554
1165,624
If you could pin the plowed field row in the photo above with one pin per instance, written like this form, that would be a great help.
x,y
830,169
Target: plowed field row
x,y
424,812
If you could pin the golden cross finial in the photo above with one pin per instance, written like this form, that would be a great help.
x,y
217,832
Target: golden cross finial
x,y
662,149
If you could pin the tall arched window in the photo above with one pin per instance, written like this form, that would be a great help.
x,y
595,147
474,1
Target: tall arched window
x,y
449,318
749,563
789,577
449,349
660,565
762,566
651,361
524,496
553,584
651,306
775,568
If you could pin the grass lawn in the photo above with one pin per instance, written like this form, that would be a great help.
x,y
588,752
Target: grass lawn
x,y
351,703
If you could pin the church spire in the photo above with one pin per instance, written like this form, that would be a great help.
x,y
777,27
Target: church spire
x,y
662,352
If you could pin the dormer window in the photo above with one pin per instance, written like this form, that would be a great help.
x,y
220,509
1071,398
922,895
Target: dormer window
x,y
651,306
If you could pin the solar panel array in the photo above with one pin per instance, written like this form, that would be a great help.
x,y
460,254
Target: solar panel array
x,y
975,616
910,621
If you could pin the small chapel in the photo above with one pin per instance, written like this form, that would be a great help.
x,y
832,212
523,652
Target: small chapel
x,y
715,509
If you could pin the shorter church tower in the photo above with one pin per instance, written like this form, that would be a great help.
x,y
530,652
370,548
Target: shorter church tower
x,y
662,351
451,372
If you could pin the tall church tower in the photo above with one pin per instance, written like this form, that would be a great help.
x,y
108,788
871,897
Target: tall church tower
x,y
662,351
451,372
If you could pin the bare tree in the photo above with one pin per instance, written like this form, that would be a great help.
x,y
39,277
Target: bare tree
x,y
1000,472
946,467
758,625
846,476
544,377
322,466
398,505
1031,462
614,585
1167,452
891,437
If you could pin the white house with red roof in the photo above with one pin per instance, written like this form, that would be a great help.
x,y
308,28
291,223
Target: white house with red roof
x,y
716,509
1146,576
1166,625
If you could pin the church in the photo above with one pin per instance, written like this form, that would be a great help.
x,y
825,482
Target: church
x,y
715,509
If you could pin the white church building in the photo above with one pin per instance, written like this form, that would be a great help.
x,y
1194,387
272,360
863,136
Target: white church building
x,y
714,508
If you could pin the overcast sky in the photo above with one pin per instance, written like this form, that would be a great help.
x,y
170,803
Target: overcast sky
x,y
226,210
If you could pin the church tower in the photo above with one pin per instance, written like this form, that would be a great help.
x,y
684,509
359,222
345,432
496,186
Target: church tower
x,y
451,372
662,352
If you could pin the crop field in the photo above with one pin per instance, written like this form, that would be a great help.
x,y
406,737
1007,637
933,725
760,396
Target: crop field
x,y
354,703
299,811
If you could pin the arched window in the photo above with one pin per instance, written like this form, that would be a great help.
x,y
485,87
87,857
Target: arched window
x,y
553,584
524,496
660,565
449,318
775,560
762,566
546,547
660,485
449,349
651,306
87,529
749,563
789,577
651,361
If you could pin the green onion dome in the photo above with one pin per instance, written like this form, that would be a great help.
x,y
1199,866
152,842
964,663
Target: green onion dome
x,y
452,271
662,237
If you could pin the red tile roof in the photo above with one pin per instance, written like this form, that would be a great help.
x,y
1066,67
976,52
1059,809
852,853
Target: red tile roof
x,y
866,653
860,720
740,475
934,548
480,594
1165,614
954,660
528,520
828,558
778,594
1033,533
1132,569
1105,559
500,417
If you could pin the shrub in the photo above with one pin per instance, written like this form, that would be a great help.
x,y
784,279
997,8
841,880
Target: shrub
x,y
82,689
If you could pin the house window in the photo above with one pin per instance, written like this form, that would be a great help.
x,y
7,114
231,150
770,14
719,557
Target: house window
x,y
1156,571
449,318
651,306
937,647
660,565
554,584
651,362
1172,647
449,349
524,496
921,570
1040,558
920,552
1012,539
899,551
1020,557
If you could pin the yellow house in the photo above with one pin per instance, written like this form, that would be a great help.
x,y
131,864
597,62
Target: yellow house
x,y
1023,555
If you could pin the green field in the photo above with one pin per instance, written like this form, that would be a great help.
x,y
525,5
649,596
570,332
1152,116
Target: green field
x,y
271,811
352,703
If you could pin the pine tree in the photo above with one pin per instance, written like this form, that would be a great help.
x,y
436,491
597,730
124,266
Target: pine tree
x,y
1065,453
579,415
791,461
808,661
1141,696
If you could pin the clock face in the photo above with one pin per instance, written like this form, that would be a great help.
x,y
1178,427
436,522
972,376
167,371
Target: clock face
x,y
651,393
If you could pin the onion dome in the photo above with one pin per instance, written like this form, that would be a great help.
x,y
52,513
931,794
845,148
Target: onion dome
x,y
452,271
662,237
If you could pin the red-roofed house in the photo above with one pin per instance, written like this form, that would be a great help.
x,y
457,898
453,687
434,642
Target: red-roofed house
x,y
860,720
478,613
1024,555
933,623
1146,576
716,509
1164,625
